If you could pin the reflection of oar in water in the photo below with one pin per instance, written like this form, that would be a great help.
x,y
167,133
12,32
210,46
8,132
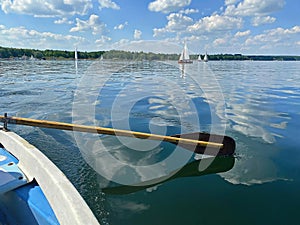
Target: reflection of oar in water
x,y
196,142
219,164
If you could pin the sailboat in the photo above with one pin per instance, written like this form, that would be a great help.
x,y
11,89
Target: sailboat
x,y
76,60
32,58
185,57
199,58
76,55
205,59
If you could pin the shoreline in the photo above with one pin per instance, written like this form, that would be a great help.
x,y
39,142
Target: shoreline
x,y
33,54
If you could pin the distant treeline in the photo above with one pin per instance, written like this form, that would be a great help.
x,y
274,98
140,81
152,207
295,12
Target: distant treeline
x,y
46,54
19,53
253,57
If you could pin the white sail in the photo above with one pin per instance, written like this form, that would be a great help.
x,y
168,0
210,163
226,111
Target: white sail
x,y
181,58
186,52
32,58
205,57
76,56
185,57
199,58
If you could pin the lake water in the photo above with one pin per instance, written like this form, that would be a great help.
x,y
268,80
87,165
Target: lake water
x,y
256,103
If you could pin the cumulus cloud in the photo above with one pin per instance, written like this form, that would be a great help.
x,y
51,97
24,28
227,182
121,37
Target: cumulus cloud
x,y
121,42
176,23
92,24
102,41
63,21
121,26
189,11
108,4
254,7
220,41
167,6
137,34
230,2
273,36
147,46
20,37
46,8
259,20
242,33
215,23
181,24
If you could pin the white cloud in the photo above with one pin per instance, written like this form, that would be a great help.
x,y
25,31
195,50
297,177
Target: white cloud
x,y
102,41
254,7
147,46
121,42
230,2
179,24
259,20
242,33
92,24
137,34
20,37
215,23
121,26
189,11
167,6
159,32
108,4
220,41
176,23
46,8
63,21
274,36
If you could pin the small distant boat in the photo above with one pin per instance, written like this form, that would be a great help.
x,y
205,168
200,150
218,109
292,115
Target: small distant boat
x,y
24,57
76,55
33,190
205,59
185,57
32,58
199,58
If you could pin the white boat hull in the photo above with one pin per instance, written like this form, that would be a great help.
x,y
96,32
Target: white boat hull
x,y
63,199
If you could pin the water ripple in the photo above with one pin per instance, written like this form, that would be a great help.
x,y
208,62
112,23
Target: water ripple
x,y
261,112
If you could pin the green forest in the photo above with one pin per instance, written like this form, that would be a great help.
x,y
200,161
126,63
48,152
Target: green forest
x,y
19,53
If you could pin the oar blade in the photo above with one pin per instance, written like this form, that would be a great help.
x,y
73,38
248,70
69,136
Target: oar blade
x,y
227,149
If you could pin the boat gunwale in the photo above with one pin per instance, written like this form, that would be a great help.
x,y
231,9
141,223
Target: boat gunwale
x,y
67,204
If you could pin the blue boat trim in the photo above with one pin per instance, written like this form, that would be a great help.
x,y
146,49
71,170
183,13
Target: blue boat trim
x,y
34,190
27,205
21,202
11,176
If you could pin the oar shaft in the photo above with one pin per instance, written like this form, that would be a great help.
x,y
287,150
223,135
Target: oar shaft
x,y
104,130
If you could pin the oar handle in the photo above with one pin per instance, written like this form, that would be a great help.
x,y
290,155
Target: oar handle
x,y
105,130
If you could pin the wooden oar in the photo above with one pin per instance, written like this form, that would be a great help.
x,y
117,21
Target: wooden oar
x,y
196,142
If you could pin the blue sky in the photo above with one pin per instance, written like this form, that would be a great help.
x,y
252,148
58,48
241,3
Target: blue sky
x,y
216,26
